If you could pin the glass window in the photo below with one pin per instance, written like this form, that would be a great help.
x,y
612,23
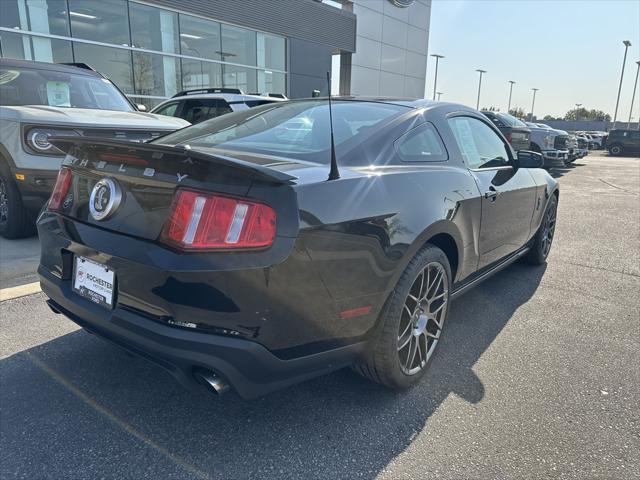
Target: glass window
x,y
422,144
115,63
196,74
238,45
153,28
48,16
510,120
104,21
31,86
155,74
15,45
150,103
271,51
13,14
169,109
239,77
480,146
199,37
298,129
271,82
197,110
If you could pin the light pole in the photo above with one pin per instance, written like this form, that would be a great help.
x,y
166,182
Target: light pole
x,y
627,44
633,96
479,87
533,103
435,79
510,91
438,93
578,105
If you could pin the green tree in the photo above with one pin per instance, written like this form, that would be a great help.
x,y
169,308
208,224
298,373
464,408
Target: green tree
x,y
517,112
584,114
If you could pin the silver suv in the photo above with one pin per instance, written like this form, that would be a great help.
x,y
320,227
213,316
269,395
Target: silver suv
x,y
199,105
40,100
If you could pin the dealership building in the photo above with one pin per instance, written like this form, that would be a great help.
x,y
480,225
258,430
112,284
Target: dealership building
x,y
154,48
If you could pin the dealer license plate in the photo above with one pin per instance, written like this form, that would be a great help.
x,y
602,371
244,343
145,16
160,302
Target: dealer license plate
x,y
93,281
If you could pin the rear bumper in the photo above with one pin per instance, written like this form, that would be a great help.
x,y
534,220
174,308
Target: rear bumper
x,y
251,369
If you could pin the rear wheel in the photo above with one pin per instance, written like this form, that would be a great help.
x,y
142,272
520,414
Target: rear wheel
x,y
411,324
541,245
616,150
15,221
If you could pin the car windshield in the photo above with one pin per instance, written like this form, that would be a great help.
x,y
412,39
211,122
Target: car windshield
x,y
510,120
29,86
295,129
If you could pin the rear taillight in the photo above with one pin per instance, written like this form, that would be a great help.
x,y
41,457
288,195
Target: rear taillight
x,y
202,221
63,182
508,136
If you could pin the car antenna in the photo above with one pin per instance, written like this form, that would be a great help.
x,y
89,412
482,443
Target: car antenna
x,y
334,174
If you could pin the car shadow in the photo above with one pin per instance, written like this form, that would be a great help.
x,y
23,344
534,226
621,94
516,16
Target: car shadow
x,y
336,426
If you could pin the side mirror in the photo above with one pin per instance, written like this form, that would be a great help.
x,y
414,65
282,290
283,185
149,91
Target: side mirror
x,y
529,159
140,107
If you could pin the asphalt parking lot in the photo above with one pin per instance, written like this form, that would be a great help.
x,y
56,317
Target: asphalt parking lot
x,y
538,376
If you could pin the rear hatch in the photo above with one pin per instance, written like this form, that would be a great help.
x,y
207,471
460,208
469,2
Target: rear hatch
x,y
149,176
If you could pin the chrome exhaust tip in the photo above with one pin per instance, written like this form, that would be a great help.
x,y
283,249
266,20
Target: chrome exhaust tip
x,y
214,383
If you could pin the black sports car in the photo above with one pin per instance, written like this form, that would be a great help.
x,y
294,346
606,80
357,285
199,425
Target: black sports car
x,y
237,252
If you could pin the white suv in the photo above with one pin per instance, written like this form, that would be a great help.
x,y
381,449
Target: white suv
x,y
196,106
41,100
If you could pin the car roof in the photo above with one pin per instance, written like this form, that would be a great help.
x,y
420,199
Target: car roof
x,y
54,67
231,97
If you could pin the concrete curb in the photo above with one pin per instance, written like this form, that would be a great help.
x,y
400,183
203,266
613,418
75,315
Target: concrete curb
x,y
19,291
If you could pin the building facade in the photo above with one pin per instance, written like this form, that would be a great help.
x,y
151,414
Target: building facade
x,y
154,48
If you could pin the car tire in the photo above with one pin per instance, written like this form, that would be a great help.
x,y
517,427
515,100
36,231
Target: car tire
x,y
616,150
387,362
541,242
15,220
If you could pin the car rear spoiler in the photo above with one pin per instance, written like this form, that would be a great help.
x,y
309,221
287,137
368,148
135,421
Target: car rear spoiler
x,y
259,172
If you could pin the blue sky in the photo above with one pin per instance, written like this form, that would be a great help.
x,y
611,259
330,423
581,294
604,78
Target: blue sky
x,y
570,49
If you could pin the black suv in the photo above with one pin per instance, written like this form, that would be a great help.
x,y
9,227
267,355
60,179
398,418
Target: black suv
x,y
624,142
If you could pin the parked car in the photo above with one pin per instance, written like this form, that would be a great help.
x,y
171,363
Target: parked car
x,y
598,139
40,100
583,145
236,253
552,144
514,130
572,145
195,106
623,142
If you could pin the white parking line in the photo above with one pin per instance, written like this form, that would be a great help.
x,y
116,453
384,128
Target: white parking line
x,y
19,291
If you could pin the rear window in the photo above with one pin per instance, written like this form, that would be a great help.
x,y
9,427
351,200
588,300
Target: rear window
x,y
510,120
28,86
296,129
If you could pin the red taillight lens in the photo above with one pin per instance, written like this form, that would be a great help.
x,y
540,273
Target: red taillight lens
x,y
63,182
508,136
201,221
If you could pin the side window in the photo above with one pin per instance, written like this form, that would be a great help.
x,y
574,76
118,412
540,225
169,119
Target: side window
x,y
481,147
199,110
421,144
168,110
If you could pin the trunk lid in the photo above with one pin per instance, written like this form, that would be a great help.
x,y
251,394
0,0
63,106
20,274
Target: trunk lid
x,y
147,176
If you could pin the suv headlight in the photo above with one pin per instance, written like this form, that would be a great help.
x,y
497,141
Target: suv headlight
x,y
36,139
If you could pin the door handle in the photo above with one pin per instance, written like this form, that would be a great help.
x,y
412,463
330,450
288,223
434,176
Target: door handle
x,y
491,194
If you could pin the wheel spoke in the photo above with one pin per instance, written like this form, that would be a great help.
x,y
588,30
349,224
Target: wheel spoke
x,y
404,343
420,349
414,348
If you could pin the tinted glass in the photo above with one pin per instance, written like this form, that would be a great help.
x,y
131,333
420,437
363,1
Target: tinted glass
x,y
15,45
510,120
422,144
480,146
198,110
27,47
238,45
240,77
199,37
44,16
168,110
26,86
197,74
115,63
295,129
156,75
153,28
104,21
271,51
